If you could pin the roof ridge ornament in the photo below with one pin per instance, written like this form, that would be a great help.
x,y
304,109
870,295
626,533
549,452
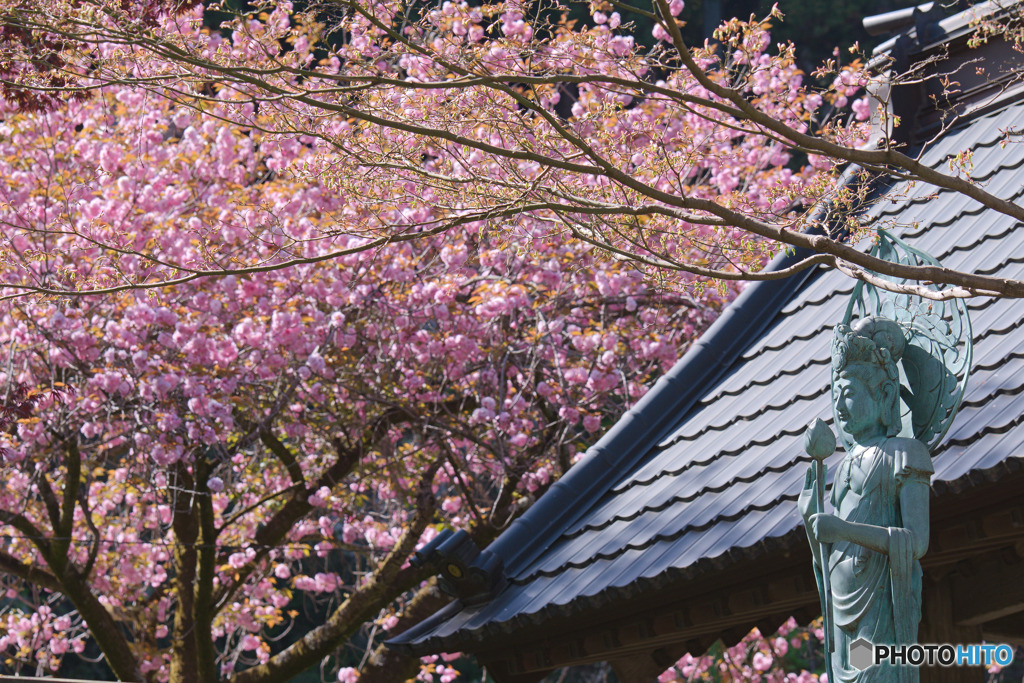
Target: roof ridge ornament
x,y
464,571
900,19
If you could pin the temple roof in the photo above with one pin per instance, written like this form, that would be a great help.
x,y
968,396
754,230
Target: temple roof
x,y
705,471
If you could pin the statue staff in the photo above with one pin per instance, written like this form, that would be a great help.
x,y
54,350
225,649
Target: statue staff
x,y
819,443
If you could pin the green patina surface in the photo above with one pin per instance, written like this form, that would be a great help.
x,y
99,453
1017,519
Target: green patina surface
x,y
898,375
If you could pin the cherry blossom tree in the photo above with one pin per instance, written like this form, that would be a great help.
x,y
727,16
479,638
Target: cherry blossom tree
x,y
654,154
790,655
189,470
284,296
193,461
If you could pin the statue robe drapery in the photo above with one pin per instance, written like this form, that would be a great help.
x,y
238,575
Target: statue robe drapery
x,y
876,596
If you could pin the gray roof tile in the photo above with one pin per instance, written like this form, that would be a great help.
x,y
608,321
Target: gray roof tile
x,y
726,475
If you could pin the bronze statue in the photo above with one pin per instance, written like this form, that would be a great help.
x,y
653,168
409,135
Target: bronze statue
x,y
899,373
879,531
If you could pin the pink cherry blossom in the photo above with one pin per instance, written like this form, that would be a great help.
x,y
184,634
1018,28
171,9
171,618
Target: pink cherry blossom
x,y
289,431
348,675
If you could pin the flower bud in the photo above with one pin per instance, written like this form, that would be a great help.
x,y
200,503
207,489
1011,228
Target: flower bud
x,y
819,441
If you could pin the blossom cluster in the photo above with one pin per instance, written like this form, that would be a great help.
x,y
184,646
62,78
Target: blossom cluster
x,y
340,301
791,655
497,351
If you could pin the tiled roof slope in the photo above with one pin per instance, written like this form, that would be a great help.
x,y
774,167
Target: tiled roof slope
x,y
723,482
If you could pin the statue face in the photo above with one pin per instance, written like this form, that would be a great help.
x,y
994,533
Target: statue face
x,y
859,412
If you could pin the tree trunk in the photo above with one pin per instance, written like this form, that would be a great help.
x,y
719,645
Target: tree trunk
x,y
386,665
184,667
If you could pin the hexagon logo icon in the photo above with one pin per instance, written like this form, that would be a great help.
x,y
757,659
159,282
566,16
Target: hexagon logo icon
x,y
862,654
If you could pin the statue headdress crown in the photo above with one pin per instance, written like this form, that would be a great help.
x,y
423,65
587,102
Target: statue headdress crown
x,y
875,340
927,345
873,347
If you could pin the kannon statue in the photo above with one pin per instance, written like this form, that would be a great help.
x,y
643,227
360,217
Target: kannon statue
x,y
871,544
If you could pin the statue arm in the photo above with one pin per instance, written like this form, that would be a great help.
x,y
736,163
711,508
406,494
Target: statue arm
x,y
914,470
914,506
830,529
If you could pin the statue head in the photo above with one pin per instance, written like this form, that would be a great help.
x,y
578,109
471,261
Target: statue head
x,y
866,377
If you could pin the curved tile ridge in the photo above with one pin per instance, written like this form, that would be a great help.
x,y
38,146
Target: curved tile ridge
x,y
915,225
974,125
979,305
679,533
988,398
1016,355
768,348
988,236
804,303
733,418
939,154
777,469
968,125
764,382
995,268
987,430
976,210
1016,324
901,205
910,227
985,145
728,453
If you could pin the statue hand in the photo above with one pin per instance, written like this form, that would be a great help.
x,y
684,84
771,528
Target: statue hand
x,y
807,503
827,528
